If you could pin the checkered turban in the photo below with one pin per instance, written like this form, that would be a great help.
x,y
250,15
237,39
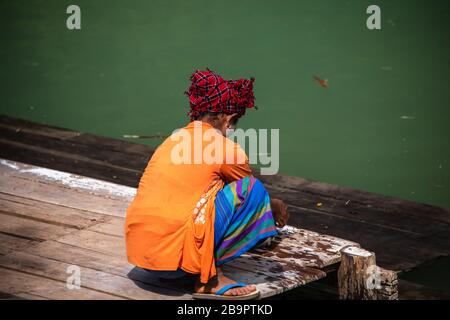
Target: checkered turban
x,y
209,92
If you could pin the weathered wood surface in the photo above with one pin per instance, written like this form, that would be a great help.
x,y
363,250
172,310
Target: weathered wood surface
x,y
403,233
419,231
305,248
51,220
359,278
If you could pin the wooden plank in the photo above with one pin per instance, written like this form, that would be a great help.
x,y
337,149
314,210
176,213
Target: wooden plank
x,y
104,243
439,240
30,229
107,263
49,213
313,250
23,284
26,296
417,248
12,169
349,200
274,268
115,226
76,160
141,152
67,162
84,257
304,248
64,189
34,139
118,286
414,291
9,243
270,286
99,251
18,125
358,208
57,153
371,237
302,237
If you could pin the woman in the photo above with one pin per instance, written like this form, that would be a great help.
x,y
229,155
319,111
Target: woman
x,y
193,216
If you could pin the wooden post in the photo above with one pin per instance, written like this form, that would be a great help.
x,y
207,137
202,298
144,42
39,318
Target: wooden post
x,y
360,278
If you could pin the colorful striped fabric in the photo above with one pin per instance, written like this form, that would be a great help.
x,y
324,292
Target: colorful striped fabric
x,y
243,218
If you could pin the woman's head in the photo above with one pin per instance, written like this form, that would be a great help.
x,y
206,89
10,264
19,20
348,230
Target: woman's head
x,y
221,101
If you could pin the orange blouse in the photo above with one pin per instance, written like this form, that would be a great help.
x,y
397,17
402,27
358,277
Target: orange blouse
x,y
170,222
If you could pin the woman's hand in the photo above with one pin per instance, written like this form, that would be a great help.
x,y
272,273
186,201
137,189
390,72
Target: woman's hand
x,y
280,212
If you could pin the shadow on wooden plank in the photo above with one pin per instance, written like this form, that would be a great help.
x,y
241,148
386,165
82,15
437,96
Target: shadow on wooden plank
x,y
181,286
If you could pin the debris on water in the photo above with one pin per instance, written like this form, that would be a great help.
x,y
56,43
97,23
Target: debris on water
x,y
137,136
31,107
347,202
440,166
319,204
407,117
322,82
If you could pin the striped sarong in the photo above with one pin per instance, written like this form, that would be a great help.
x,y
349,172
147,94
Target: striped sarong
x,y
243,218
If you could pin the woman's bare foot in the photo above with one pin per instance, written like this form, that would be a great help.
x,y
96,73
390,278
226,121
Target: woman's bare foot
x,y
219,281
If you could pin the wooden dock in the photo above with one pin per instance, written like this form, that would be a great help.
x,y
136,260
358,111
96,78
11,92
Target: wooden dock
x,y
63,195
51,220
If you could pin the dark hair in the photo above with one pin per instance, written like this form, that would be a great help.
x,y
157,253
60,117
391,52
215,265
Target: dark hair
x,y
207,113
214,115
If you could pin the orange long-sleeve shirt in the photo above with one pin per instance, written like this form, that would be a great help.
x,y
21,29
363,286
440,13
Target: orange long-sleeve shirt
x,y
170,222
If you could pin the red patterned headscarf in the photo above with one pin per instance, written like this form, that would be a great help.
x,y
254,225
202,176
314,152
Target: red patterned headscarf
x,y
209,92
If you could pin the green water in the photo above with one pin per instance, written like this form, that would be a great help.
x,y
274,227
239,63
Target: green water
x,y
381,126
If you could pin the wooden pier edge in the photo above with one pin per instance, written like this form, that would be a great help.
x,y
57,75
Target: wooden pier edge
x,y
420,232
